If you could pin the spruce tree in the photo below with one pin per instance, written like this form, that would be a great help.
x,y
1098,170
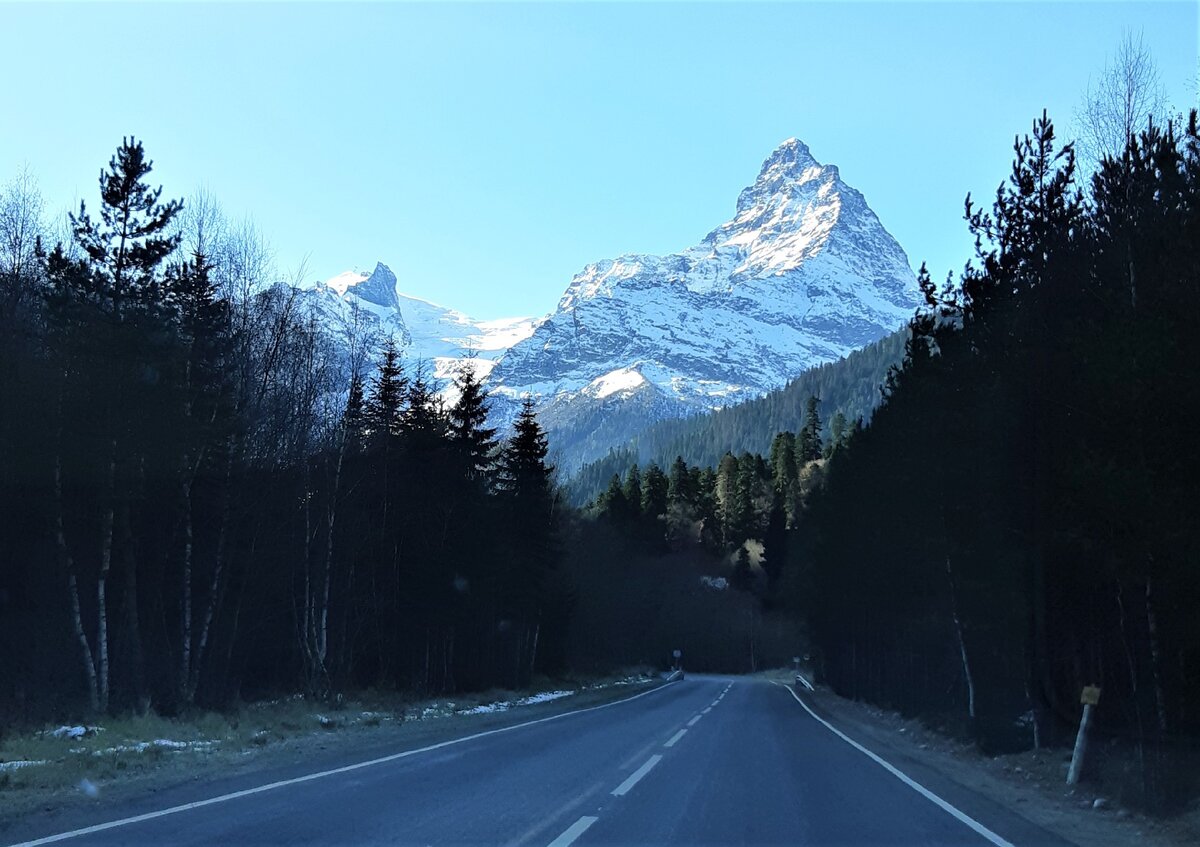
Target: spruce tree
x,y
743,517
633,491
726,497
808,442
469,432
783,461
839,432
384,410
683,487
655,487
612,502
524,473
526,485
424,422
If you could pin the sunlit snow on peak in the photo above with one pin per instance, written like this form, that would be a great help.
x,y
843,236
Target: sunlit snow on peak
x,y
346,280
624,379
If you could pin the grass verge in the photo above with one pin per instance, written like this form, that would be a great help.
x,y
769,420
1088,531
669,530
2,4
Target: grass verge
x,y
58,768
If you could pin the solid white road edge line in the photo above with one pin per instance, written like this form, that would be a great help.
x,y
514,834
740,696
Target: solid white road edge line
x,y
636,776
692,722
675,738
574,831
805,682
271,786
900,775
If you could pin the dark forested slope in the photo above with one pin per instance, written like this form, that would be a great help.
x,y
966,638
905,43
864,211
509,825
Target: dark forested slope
x,y
850,387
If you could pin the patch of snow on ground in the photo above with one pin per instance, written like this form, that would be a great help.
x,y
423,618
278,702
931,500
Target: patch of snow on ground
x,y
73,732
436,710
505,705
544,697
161,743
12,766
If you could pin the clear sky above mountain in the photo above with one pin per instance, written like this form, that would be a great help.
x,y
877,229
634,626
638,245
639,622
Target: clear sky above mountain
x,y
487,152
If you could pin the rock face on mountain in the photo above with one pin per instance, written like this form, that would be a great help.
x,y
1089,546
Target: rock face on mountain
x,y
801,275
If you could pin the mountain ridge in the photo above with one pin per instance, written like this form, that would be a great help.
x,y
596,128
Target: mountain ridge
x,y
802,274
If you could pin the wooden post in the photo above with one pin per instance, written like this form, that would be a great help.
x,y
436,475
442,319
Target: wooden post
x,y
1090,699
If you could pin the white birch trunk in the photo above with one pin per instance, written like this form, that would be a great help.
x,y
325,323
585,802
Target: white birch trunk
x,y
962,643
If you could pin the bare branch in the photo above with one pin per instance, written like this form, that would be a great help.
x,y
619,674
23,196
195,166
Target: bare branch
x,y
1121,102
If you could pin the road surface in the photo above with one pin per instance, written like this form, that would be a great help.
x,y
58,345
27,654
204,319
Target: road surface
x,y
706,760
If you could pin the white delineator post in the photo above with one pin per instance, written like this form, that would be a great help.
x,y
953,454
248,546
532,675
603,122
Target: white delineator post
x,y
1090,699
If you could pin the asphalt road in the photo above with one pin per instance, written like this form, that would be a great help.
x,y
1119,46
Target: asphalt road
x,y
700,761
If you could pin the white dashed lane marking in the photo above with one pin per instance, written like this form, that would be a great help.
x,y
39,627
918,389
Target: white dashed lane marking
x,y
574,831
635,777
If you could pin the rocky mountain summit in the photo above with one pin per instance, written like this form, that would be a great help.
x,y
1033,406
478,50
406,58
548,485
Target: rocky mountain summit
x,y
802,274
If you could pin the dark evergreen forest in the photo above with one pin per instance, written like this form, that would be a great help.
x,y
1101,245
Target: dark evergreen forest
x,y
205,501
1019,519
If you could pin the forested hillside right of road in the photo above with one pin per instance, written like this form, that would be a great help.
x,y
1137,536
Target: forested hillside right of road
x,y
851,387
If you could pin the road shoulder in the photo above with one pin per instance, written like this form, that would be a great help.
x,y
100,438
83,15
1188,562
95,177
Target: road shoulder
x,y
1027,784
194,776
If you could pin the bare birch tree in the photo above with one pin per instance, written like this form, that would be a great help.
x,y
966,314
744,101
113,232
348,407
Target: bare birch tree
x,y
1120,102
22,223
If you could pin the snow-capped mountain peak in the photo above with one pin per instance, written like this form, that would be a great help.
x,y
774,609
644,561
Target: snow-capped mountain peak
x,y
803,273
365,309
792,163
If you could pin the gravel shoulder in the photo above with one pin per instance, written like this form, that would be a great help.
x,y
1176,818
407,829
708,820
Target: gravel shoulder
x,y
1031,783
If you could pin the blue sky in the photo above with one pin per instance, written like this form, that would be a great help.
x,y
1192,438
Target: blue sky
x,y
487,152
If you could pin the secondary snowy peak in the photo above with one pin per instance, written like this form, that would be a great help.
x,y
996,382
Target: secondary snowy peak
x,y
365,309
803,273
377,287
